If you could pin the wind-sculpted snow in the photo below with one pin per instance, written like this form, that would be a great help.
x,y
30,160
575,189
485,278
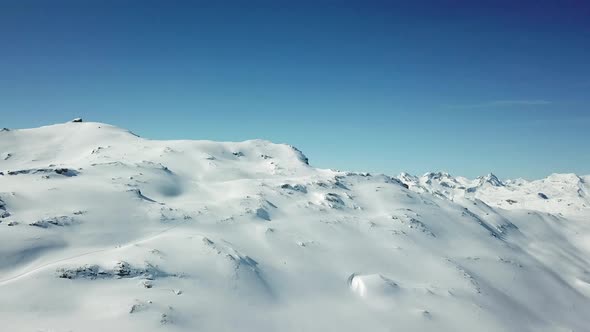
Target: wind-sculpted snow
x,y
101,229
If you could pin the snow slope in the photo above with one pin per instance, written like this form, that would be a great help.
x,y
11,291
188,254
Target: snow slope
x,y
101,229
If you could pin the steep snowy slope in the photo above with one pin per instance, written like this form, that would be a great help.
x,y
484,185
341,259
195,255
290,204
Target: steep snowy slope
x,y
101,229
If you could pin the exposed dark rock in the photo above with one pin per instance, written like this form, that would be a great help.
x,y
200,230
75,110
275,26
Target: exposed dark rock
x,y
165,319
132,133
497,231
436,176
300,154
139,195
3,212
363,174
414,223
97,150
86,272
61,171
296,187
262,214
334,200
137,307
120,270
491,179
55,221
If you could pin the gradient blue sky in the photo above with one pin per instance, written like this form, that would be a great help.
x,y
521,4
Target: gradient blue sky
x,y
462,86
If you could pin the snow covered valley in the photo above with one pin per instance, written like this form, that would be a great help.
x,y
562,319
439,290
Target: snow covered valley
x,y
103,230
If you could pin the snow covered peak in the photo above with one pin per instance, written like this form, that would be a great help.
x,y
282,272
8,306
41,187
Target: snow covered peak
x,y
438,177
491,179
408,178
515,182
443,179
570,178
82,144
558,193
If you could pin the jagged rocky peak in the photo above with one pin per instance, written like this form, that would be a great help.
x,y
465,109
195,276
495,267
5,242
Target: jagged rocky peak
x,y
407,178
491,179
437,175
442,178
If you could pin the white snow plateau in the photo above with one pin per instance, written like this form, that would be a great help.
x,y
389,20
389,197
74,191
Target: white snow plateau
x,y
102,230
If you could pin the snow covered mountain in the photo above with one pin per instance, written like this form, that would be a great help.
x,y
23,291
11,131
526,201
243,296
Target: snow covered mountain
x,y
561,194
101,229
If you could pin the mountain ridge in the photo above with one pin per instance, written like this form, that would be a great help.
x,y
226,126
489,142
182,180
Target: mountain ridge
x,y
490,177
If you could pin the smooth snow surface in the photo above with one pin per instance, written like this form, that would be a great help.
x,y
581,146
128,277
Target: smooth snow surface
x,y
103,230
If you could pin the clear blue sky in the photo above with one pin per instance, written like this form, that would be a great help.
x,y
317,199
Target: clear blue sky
x,y
461,86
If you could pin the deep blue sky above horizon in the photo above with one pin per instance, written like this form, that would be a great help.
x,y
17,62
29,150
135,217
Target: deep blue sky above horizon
x,y
463,86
